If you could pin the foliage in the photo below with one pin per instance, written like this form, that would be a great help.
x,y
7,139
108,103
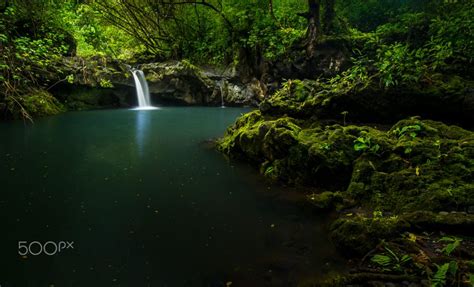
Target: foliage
x,y
453,243
411,49
390,261
256,28
367,15
37,103
204,31
364,143
92,34
396,44
31,49
443,271
411,130
105,83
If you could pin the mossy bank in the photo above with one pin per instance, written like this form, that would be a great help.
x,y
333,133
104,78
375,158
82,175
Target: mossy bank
x,y
385,181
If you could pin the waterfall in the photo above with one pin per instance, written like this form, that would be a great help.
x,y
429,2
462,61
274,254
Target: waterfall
x,y
222,94
143,94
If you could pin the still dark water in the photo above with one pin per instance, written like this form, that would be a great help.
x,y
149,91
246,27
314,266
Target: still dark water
x,y
146,203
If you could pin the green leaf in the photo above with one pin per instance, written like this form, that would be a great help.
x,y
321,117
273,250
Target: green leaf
x,y
405,259
439,278
381,260
453,268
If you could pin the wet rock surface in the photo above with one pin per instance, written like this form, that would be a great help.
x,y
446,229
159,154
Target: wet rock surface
x,y
185,83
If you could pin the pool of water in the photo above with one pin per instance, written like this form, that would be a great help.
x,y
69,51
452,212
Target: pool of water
x,y
146,203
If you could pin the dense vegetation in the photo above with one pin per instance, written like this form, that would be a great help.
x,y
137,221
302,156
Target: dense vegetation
x,y
389,43
324,67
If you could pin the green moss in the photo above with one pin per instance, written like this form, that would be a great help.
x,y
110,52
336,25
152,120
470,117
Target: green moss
x,y
37,103
244,138
325,200
456,223
299,152
429,170
365,100
356,235
296,98
418,164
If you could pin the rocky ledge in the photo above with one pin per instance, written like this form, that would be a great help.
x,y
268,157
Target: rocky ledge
x,y
175,82
182,82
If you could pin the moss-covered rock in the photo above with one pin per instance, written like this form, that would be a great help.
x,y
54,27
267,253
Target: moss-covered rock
x,y
415,176
416,165
449,98
296,98
430,167
326,200
37,103
244,138
296,151
356,235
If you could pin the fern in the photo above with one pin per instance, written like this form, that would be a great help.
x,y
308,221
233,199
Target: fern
x,y
441,275
454,243
439,278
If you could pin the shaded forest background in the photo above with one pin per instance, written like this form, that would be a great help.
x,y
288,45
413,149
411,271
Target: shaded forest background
x,y
389,43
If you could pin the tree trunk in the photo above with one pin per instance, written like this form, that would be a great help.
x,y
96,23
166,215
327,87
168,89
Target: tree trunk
x,y
328,16
314,27
270,9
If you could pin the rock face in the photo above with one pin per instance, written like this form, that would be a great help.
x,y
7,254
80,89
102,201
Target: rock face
x,y
184,83
176,82
96,72
331,58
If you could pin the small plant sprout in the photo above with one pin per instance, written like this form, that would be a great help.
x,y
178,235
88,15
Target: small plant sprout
x,y
377,214
364,144
344,114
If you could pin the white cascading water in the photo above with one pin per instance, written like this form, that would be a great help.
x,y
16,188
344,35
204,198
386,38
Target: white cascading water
x,y
222,94
143,94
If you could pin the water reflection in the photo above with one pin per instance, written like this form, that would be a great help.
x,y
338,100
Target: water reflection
x,y
143,122
146,204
